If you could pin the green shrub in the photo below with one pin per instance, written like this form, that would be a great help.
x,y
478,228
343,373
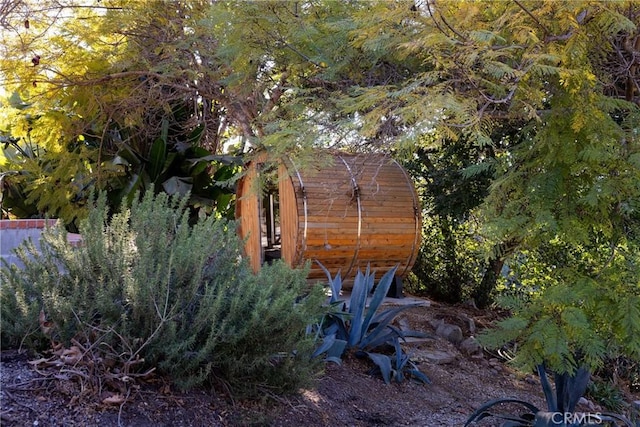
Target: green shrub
x,y
254,332
448,264
607,395
574,309
148,291
452,179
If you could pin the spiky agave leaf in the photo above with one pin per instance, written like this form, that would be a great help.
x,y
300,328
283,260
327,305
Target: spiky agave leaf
x,y
551,419
362,327
333,347
383,330
357,307
609,417
550,398
483,412
378,297
335,283
570,388
401,361
384,333
417,374
383,362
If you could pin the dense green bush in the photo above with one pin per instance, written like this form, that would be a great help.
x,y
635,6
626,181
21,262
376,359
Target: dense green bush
x,y
576,309
452,179
449,262
148,290
572,305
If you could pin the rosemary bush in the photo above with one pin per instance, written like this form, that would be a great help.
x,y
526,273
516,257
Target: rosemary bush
x,y
148,290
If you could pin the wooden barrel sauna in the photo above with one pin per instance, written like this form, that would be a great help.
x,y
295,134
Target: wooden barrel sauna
x,y
359,210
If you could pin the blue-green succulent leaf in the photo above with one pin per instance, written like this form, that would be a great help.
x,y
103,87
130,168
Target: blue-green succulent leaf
x,y
552,404
418,376
327,343
378,296
482,411
383,362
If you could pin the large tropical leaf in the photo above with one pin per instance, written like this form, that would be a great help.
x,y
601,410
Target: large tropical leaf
x,y
158,156
177,185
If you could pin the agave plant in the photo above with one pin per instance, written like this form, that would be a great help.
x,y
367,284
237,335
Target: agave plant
x,y
396,367
358,325
561,405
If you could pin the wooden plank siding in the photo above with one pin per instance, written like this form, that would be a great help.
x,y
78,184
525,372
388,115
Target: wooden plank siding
x,y
360,210
248,216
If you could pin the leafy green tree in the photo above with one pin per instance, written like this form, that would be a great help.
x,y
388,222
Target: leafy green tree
x,y
115,94
449,262
563,76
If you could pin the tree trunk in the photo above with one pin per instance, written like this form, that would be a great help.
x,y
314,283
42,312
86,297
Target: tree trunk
x,y
482,293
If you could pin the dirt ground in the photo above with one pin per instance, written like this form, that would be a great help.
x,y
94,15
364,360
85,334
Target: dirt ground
x,y
344,395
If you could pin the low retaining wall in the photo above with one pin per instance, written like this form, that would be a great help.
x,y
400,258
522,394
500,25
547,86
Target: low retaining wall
x,y
15,231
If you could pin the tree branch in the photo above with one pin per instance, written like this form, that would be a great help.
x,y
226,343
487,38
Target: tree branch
x,y
67,81
451,28
276,93
538,23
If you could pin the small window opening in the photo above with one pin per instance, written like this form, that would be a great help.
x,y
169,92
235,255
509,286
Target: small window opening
x,y
270,236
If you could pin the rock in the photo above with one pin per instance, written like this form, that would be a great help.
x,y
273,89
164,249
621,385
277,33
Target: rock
x,y
403,323
471,325
438,357
587,403
470,346
451,333
471,303
495,365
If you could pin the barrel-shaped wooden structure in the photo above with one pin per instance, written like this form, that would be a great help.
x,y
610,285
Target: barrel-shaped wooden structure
x,y
357,211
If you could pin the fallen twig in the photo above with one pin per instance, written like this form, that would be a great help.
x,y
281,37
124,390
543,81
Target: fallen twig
x,y
16,401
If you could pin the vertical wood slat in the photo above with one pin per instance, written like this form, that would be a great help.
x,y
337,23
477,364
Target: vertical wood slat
x,y
288,217
248,214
